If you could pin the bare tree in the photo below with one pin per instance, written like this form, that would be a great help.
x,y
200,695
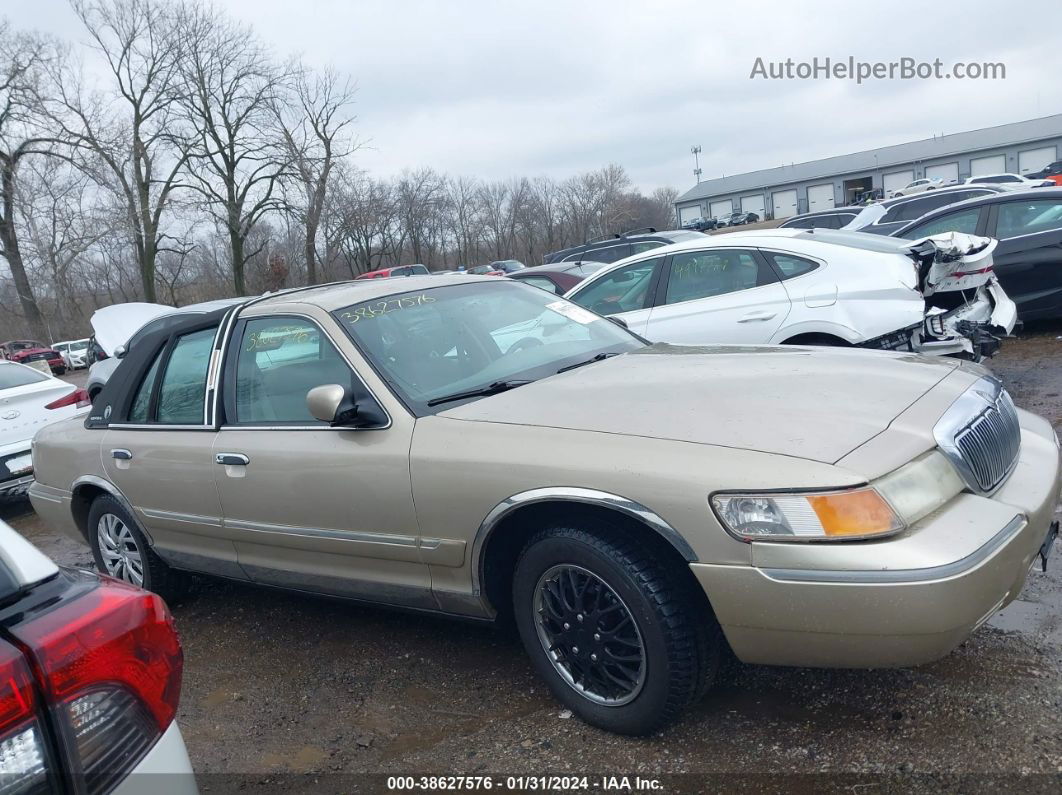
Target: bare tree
x,y
315,124
63,217
22,59
132,130
233,88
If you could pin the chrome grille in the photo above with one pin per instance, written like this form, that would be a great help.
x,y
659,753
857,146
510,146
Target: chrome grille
x,y
981,434
990,443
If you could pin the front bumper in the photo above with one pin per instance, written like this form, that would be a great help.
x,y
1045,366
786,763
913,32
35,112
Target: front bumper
x,y
867,605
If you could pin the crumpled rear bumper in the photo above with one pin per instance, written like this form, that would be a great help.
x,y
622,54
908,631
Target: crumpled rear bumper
x,y
976,328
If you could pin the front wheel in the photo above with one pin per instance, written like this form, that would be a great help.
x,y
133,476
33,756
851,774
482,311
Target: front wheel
x,y
621,636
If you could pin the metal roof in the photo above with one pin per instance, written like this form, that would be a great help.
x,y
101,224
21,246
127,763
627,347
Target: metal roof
x,y
882,158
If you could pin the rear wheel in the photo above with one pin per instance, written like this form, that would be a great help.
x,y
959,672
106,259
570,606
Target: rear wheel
x,y
620,634
120,549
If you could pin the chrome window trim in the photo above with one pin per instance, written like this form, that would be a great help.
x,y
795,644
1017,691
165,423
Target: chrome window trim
x,y
339,349
157,426
889,576
570,494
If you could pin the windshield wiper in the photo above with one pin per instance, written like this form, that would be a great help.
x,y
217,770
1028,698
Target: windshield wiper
x,y
491,389
598,358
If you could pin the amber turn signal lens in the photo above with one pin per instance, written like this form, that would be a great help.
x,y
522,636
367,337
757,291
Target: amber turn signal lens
x,y
854,513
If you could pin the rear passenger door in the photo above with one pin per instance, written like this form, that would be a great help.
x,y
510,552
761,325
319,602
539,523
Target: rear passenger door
x,y
718,295
311,506
159,456
1028,259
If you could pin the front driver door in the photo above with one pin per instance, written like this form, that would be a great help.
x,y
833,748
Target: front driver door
x,y
312,507
718,295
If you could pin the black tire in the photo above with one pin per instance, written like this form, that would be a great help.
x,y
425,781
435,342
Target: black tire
x,y
678,635
155,576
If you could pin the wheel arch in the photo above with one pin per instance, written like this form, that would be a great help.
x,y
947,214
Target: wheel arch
x,y
86,490
504,530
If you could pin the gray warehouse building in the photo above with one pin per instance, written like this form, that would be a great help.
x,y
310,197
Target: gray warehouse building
x,y
1018,148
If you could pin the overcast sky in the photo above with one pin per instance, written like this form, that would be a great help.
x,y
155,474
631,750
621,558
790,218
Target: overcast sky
x,y
495,89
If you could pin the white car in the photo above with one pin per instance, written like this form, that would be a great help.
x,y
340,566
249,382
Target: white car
x,y
919,186
74,353
1016,181
94,663
29,400
800,286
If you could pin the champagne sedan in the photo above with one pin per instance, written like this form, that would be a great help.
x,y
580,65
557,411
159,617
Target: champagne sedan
x,y
482,448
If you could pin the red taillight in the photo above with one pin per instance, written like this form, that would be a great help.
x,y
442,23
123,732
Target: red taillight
x,y
79,398
108,664
959,274
114,634
23,754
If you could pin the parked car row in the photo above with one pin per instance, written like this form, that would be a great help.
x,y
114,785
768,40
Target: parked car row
x,y
820,287
33,353
1026,222
358,440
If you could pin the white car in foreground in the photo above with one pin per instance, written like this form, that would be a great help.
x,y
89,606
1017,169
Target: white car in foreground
x,y
29,400
801,286
90,674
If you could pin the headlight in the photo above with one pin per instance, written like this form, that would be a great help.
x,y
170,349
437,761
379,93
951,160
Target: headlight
x,y
888,505
849,514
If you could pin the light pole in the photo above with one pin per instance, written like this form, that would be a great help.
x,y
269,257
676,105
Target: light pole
x,y
696,150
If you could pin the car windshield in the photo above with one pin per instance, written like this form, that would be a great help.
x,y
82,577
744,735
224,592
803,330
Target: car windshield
x,y
12,375
441,341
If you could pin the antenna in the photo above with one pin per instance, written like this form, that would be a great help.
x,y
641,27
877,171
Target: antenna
x,y
695,151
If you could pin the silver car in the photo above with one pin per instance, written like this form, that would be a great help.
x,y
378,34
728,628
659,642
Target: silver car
x,y
483,448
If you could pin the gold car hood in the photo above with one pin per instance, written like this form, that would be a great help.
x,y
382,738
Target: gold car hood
x,y
807,402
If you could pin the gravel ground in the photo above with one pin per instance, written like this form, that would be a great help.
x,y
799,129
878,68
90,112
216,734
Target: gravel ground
x,y
278,684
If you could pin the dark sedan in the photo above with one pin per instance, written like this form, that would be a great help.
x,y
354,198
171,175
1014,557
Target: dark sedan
x,y
558,278
1028,260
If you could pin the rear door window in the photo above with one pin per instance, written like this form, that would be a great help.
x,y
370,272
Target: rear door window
x,y
605,254
958,221
1028,217
182,391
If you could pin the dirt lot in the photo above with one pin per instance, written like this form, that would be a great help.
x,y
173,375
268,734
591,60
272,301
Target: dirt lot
x,y
277,684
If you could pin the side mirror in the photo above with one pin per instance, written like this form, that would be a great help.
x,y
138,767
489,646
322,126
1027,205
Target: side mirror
x,y
336,405
120,351
618,321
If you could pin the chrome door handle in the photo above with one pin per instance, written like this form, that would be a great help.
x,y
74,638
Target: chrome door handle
x,y
121,454
756,316
232,459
